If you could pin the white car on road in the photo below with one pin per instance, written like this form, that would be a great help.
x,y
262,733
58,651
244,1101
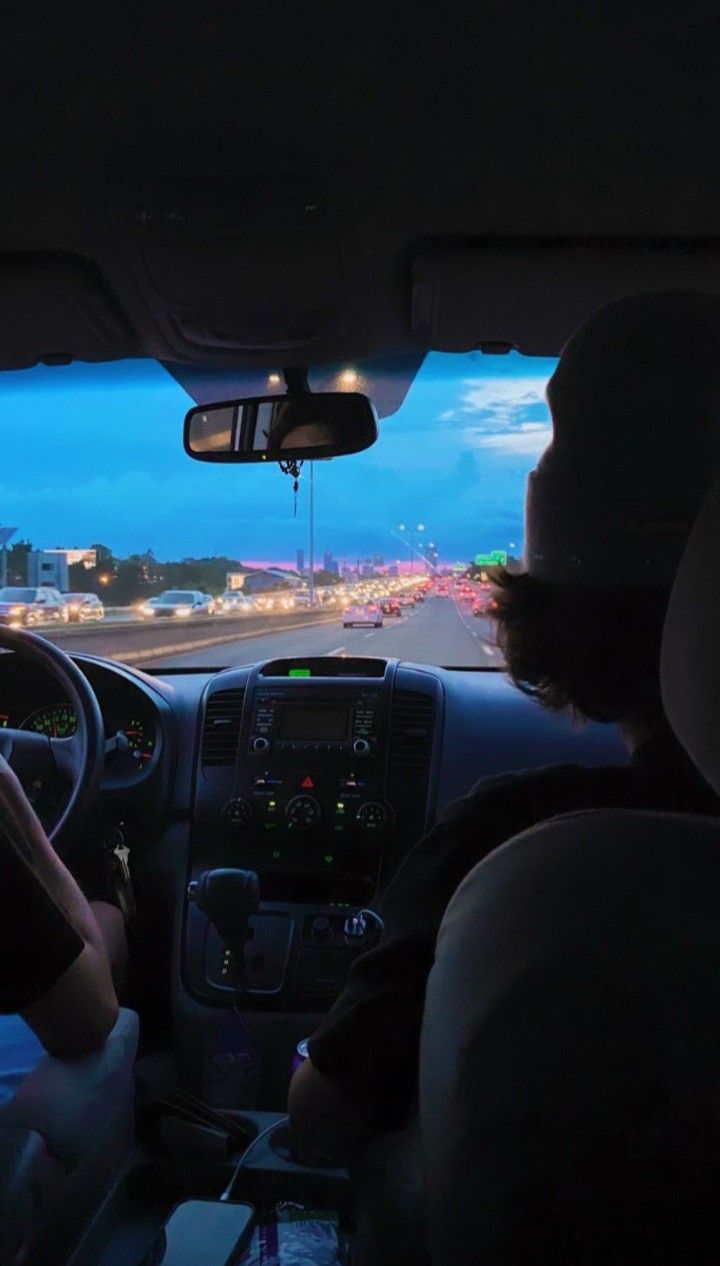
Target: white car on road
x,y
363,613
233,602
179,602
84,606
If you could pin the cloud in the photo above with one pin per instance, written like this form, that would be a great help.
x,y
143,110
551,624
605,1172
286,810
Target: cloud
x,y
500,403
507,416
529,440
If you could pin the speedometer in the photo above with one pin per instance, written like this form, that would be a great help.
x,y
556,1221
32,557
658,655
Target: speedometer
x,y
141,737
56,721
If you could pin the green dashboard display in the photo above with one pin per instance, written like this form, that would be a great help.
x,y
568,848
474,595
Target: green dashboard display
x,y
299,672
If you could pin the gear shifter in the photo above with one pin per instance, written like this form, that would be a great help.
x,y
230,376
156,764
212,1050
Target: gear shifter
x,y
229,898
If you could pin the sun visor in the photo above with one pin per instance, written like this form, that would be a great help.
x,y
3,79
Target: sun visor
x,y
264,269
58,308
532,297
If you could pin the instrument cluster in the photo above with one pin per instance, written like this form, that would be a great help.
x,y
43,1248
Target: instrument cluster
x,y
131,728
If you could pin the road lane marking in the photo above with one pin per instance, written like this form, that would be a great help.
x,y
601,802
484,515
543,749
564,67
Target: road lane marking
x,y
488,649
337,650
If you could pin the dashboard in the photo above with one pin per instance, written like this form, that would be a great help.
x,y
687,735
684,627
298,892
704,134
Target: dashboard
x,y
318,774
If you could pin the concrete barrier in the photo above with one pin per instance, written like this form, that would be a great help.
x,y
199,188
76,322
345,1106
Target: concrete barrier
x,y
144,641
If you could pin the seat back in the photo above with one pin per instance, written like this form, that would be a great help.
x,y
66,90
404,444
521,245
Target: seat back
x,y
388,1184
29,1179
570,1054
690,664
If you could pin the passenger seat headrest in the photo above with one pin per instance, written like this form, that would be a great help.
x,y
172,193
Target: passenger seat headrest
x,y
690,659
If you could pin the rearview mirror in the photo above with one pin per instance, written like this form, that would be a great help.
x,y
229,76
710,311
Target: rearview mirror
x,y
281,428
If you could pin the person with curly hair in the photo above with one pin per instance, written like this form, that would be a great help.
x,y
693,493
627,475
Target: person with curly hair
x,y
635,405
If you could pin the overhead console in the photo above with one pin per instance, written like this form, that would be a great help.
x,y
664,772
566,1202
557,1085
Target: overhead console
x,y
317,774
258,265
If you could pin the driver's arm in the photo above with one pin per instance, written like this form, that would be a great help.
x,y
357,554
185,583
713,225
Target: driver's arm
x,y
54,968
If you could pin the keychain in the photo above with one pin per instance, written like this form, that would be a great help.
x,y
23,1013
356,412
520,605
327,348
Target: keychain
x,y
292,468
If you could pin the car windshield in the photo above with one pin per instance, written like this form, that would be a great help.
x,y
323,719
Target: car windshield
x,y
107,502
17,595
78,597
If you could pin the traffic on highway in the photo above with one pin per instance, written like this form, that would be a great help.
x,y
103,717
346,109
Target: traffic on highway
x,y
406,618
441,626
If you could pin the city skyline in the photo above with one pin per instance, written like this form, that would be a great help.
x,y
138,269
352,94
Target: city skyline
x,y
454,457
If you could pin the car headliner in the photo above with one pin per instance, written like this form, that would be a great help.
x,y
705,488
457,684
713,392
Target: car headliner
x,y
293,183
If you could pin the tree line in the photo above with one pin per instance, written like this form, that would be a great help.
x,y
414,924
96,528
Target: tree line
x,y
120,582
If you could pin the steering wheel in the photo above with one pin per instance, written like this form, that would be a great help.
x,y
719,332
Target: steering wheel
x,y
79,759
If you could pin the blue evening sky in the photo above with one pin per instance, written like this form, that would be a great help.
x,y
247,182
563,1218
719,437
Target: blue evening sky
x,y
94,454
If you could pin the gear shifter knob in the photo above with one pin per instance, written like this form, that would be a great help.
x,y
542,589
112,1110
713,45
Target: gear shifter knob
x,y
228,897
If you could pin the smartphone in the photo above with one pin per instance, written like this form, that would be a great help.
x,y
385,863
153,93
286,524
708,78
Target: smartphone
x,y
206,1233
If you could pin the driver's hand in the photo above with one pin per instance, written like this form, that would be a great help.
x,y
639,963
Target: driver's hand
x,y
23,829
19,818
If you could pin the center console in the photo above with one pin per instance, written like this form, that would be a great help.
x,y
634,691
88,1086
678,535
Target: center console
x,y
316,774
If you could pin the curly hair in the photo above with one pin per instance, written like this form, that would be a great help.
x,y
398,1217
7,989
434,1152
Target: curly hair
x,y
592,652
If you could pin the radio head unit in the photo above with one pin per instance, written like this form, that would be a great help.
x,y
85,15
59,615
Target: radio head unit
x,y
293,720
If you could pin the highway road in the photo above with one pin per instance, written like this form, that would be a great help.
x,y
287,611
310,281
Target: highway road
x,y
437,631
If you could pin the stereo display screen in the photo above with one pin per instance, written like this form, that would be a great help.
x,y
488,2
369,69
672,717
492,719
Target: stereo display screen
x,y
318,722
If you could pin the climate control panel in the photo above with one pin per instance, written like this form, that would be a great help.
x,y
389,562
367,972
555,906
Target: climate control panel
x,y
303,813
331,822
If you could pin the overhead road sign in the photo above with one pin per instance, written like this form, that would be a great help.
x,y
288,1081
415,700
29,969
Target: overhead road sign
x,y
497,558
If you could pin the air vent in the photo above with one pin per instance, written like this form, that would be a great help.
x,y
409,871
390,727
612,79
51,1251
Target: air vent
x,y
221,731
411,730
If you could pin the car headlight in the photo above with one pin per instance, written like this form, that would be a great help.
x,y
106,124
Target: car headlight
x,y
17,610
181,611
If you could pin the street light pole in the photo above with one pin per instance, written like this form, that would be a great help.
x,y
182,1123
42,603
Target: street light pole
x,y
419,527
312,534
